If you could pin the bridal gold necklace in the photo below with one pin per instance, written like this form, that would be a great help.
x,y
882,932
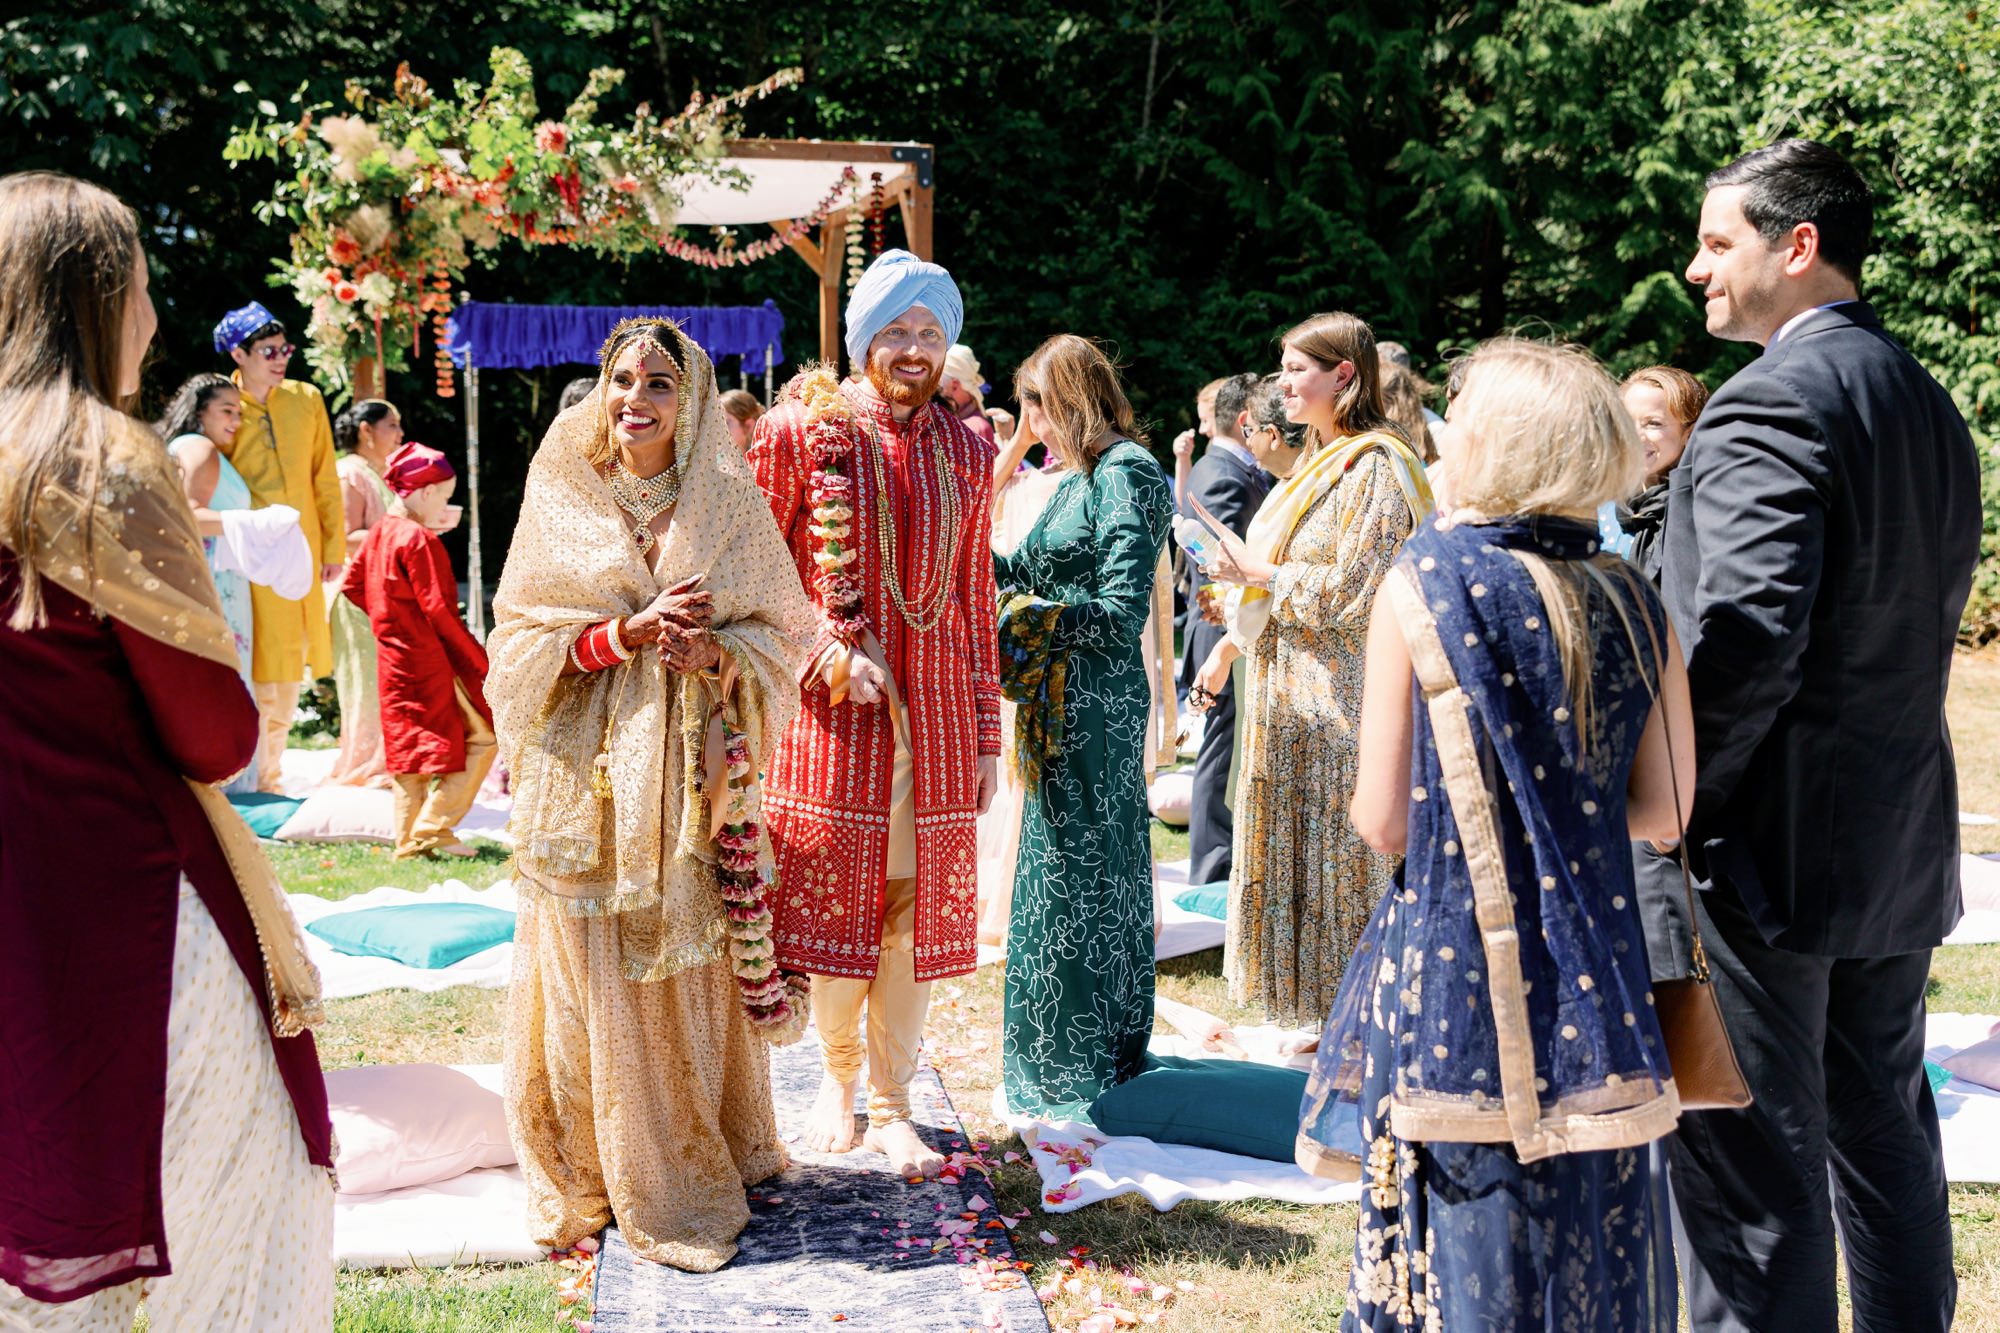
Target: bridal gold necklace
x,y
645,499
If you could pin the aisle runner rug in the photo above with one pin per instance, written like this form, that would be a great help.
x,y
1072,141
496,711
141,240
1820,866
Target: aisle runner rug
x,y
838,1239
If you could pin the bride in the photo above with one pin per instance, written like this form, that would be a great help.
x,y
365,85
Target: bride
x,y
649,631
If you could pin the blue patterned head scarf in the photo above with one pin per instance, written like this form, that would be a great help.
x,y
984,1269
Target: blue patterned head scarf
x,y
896,281
239,324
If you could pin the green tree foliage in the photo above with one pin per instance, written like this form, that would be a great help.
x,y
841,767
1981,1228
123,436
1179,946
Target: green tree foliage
x,y
1182,178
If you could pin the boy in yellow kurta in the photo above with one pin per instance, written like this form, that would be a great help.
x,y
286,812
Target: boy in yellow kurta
x,y
284,449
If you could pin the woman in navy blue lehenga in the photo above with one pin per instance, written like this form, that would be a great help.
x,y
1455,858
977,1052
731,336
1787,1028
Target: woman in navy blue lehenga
x,y
1493,1070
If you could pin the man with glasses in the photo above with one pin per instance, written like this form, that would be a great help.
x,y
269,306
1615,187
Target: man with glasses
x,y
284,449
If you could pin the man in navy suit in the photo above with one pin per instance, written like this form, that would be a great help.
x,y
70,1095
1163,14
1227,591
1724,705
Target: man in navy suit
x,y
1228,482
1819,546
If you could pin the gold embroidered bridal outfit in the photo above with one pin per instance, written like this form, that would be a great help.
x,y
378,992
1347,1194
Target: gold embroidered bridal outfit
x,y
637,1089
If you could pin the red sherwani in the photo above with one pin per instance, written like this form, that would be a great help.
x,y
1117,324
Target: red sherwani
x,y
402,578
827,791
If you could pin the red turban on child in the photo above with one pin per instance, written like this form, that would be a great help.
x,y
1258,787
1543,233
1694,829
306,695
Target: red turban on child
x,y
415,466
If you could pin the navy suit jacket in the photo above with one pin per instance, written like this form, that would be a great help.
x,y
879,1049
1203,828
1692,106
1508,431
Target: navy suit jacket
x,y
1232,490
1820,540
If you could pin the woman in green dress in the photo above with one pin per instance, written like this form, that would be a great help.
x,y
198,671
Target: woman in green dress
x,y
1074,599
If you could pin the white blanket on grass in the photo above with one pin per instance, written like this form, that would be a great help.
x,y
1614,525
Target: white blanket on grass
x,y
1080,1165
1968,1114
480,1217
343,975
1979,878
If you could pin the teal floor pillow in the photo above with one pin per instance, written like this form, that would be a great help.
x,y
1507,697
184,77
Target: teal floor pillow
x,y
427,935
1208,899
264,812
1234,1106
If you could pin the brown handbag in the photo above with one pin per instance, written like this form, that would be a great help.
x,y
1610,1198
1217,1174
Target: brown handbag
x,y
1698,1048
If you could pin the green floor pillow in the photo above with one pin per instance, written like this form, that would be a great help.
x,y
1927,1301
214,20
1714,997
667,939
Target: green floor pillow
x,y
1234,1106
427,935
264,812
1208,899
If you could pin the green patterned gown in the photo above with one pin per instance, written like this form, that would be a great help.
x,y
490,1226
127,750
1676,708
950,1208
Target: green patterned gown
x,y
1079,1005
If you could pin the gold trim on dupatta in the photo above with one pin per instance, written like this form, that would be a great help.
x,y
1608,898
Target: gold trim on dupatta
x,y
1577,1123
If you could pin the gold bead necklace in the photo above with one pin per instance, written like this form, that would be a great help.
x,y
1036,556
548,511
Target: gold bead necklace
x,y
935,596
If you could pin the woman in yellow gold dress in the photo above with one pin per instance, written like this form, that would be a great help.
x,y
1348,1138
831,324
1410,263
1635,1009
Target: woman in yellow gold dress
x,y
649,631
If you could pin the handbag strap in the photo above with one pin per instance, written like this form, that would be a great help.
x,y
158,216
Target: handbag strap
x,y
1698,955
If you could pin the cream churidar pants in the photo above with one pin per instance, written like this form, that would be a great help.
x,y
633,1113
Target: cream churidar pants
x,y
427,815
276,703
894,1000
249,1219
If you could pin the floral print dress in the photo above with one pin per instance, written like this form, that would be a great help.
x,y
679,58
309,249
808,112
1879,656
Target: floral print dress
x,y
1079,1002
1302,881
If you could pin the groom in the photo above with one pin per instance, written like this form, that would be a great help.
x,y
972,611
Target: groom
x,y
874,792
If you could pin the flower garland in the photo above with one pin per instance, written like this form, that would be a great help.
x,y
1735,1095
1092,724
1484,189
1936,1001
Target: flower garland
x,y
830,437
773,999
736,256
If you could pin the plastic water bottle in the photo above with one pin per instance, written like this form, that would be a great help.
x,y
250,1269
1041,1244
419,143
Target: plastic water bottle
x,y
1195,539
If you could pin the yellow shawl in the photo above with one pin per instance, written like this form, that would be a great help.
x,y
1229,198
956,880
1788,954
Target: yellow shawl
x,y
1247,610
646,853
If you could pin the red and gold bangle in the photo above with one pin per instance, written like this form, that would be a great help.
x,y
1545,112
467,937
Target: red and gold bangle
x,y
599,647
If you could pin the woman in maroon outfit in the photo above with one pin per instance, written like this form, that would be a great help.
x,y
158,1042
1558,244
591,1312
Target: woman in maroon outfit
x,y
163,1123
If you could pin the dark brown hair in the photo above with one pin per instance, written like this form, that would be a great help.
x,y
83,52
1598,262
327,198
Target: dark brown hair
x,y
1077,386
67,254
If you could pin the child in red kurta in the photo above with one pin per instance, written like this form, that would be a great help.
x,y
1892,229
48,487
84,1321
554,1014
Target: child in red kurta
x,y
437,731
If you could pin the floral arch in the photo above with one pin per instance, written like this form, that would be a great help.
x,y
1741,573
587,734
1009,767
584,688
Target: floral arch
x,y
388,198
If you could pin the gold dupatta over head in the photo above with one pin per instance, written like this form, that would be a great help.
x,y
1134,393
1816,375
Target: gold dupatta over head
x,y
132,551
646,852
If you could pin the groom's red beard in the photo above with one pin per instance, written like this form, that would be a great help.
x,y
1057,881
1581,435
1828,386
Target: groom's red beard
x,y
901,393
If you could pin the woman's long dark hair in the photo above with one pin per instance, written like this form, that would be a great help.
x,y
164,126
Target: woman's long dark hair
x,y
183,414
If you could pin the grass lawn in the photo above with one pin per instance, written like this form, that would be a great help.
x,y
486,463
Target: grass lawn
x,y
1242,1266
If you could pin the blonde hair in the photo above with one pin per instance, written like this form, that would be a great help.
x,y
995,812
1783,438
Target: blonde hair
x,y
67,254
741,404
1403,394
1539,429
1078,389
1334,337
1686,395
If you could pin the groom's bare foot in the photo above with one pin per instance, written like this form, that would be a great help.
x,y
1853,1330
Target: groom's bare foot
x,y
830,1127
909,1157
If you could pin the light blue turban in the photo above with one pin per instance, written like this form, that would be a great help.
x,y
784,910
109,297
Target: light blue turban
x,y
896,281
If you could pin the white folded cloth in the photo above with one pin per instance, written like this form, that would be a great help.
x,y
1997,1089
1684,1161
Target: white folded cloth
x,y
266,546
